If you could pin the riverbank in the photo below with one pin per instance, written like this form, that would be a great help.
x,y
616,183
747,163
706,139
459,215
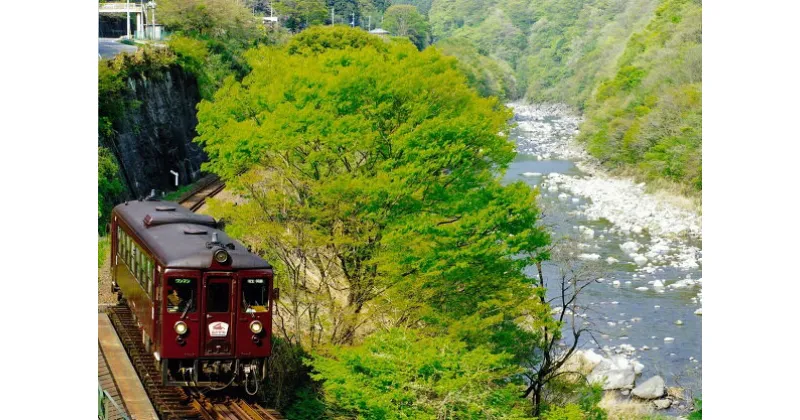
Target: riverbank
x,y
646,307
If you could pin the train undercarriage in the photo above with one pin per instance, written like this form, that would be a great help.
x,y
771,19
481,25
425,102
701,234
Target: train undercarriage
x,y
216,374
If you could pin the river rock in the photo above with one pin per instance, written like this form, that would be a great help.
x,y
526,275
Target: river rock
x,y
616,283
638,367
699,311
662,404
592,358
611,260
614,373
650,389
629,247
642,289
640,259
668,339
589,257
531,174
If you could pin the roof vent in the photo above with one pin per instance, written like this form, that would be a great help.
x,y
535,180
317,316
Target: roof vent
x,y
195,232
165,208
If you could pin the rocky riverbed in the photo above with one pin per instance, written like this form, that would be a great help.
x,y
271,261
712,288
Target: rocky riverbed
x,y
645,312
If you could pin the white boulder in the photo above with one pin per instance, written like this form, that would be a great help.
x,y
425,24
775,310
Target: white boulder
x,y
613,373
699,311
650,389
629,247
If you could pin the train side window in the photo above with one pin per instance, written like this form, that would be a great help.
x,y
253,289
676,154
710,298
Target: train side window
x,y
254,295
180,293
217,297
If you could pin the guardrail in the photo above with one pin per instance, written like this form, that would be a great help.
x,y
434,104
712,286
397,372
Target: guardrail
x,y
120,7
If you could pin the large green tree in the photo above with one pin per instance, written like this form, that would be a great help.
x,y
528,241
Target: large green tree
x,y
371,172
405,20
223,19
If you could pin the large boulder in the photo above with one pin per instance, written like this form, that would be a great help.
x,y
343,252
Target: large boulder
x,y
613,373
650,389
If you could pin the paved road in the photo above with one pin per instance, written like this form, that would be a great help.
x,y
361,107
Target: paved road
x,y
109,47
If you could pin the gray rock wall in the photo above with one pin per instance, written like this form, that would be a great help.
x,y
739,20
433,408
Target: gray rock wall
x,y
156,136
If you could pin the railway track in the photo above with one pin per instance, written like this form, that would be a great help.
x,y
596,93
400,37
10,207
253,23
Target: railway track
x,y
172,402
196,198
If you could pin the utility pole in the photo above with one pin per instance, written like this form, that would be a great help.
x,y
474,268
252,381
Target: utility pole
x,y
369,24
353,21
332,16
128,16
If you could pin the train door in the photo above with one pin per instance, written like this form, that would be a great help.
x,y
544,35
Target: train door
x,y
218,328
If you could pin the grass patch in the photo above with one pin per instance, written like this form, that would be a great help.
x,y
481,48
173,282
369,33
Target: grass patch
x,y
174,195
103,247
625,409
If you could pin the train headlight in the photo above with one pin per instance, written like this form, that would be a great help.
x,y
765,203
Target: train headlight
x,y
256,327
221,256
181,328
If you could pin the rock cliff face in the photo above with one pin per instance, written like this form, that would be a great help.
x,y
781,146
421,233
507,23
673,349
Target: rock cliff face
x,y
155,136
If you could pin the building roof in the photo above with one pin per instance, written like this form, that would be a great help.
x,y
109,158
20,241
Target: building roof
x,y
379,31
178,238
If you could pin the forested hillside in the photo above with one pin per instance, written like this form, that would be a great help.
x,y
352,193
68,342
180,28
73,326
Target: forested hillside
x,y
649,114
633,67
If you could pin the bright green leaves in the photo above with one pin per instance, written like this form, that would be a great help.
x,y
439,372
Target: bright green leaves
x,y
402,374
109,186
369,173
649,114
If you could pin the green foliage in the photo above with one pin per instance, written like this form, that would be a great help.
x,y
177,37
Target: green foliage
x,y
489,77
388,161
321,39
423,6
194,56
103,246
633,67
649,114
299,14
404,20
399,374
697,412
376,168
219,19
109,186
568,412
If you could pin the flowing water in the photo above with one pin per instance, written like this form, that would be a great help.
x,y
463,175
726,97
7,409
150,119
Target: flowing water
x,y
650,249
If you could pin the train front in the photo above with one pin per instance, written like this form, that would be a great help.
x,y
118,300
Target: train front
x,y
217,321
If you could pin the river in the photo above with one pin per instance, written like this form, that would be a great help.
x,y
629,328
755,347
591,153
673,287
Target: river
x,y
650,293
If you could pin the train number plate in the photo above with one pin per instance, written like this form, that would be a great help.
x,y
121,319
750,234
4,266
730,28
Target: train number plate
x,y
218,329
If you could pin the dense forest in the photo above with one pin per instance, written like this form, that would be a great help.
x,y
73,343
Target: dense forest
x,y
632,67
369,174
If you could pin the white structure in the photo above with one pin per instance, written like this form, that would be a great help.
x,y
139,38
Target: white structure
x,y
145,25
127,8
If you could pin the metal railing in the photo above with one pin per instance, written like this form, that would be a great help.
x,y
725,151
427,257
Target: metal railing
x,y
121,8
103,396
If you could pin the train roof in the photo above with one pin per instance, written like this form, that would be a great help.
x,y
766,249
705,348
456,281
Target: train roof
x,y
178,238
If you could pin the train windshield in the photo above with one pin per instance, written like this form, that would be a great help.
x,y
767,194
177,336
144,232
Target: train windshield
x,y
181,295
254,295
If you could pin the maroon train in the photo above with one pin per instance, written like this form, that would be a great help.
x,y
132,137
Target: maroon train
x,y
202,301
